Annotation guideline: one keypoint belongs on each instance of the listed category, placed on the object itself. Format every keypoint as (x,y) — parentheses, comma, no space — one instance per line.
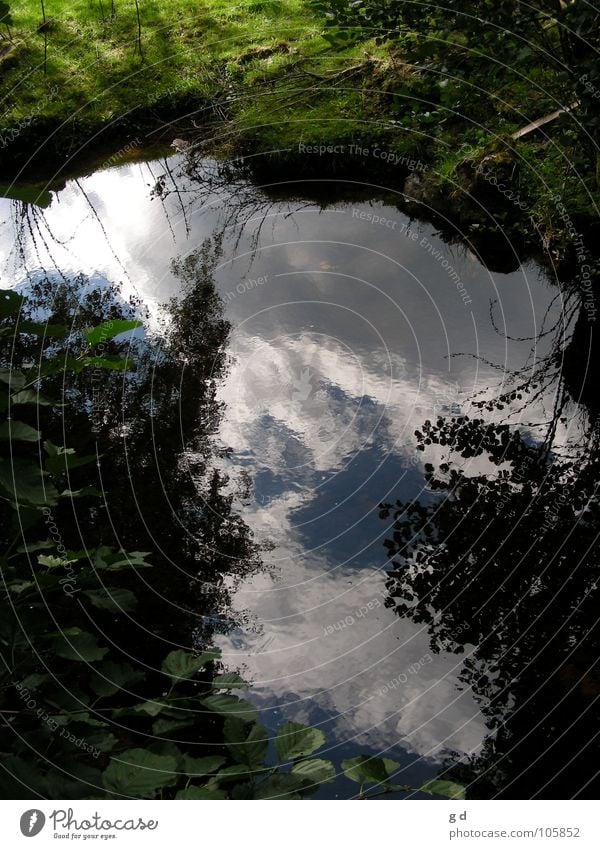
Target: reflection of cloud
(328,655)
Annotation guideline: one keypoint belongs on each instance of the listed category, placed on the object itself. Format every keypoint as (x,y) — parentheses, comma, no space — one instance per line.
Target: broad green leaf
(139,773)
(108,678)
(26,484)
(164,725)
(109,329)
(180,664)
(109,363)
(196,767)
(441,787)
(282,785)
(75,644)
(56,331)
(103,742)
(30,396)
(13,377)
(112,598)
(317,771)
(230,706)
(10,302)
(51,561)
(228,681)
(152,708)
(62,460)
(365,770)
(248,745)
(35,546)
(199,793)
(297,741)
(15,430)
(230,773)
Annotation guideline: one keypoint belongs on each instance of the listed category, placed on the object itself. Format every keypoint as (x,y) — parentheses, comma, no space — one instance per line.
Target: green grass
(259,76)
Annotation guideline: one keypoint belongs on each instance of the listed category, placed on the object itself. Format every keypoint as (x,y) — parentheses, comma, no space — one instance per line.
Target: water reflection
(344,337)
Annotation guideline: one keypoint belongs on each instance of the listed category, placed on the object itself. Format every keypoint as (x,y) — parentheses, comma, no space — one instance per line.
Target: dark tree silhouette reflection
(502,566)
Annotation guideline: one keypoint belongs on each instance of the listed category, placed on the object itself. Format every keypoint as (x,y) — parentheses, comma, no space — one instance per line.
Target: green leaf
(226,705)
(180,665)
(108,678)
(15,430)
(199,793)
(61,460)
(152,708)
(282,785)
(112,598)
(365,770)
(10,302)
(25,483)
(109,329)
(440,787)
(228,681)
(317,771)
(297,741)
(139,773)
(75,644)
(196,767)
(30,396)
(51,561)
(13,377)
(56,331)
(164,725)
(248,745)
(109,363)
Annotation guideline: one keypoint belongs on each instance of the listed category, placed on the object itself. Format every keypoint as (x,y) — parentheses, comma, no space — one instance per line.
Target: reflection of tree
(153,430)
(503,568)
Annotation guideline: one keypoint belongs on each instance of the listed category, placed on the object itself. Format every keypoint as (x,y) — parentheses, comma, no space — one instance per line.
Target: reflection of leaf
(138,772)
(109,329)
(440,787)
(181,664)
(297,741)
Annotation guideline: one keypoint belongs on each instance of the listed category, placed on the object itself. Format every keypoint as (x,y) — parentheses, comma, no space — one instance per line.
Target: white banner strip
(300,825)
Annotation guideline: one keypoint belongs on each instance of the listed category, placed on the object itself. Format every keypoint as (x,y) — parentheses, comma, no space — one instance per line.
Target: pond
(351,325)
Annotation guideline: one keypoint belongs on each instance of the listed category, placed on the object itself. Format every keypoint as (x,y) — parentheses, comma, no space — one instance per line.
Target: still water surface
(347,333)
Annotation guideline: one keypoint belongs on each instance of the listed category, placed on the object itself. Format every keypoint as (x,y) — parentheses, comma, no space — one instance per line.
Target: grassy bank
(255,77)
